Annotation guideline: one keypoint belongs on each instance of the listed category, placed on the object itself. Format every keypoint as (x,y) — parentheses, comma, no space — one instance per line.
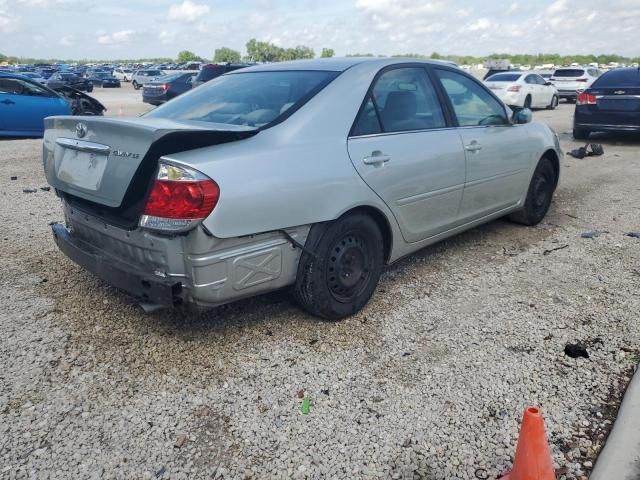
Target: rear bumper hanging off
(148,288)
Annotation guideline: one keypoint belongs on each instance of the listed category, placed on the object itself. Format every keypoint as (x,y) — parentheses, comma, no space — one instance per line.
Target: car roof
(337,64)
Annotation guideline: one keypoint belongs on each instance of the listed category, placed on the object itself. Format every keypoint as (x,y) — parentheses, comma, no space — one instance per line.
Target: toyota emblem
(81,130)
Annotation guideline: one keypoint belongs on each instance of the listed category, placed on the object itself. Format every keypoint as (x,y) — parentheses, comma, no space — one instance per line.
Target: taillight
(164,87)
(179,200)
(514,88)
(586,99)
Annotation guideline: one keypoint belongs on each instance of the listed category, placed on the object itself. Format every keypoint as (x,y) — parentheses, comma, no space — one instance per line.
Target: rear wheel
(527,102)
(553,104)
(539,195)
(136,86)
(343,273)
(581,133)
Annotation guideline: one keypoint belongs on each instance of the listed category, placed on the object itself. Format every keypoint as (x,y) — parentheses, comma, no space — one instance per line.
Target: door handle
(377,158)
(474,146)
(8,102)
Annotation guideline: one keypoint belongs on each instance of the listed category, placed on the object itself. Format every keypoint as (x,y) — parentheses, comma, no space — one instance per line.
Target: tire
(539,195)
(554,103)
(135,85)
(571,100)
(125,79)
(581,134)
(527,102)
(326,284)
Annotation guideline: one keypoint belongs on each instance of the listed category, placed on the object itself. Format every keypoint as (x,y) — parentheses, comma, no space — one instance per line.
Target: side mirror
(548,84)
(522,116)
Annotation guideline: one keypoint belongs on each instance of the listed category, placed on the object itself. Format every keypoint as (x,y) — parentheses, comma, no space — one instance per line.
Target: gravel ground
(428,382)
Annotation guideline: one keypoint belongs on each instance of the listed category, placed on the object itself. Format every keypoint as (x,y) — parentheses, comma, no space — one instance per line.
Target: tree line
(259,51)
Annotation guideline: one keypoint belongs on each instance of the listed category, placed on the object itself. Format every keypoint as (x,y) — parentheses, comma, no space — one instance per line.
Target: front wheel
(553,104)
(343,272)
(539,195)
(136,86)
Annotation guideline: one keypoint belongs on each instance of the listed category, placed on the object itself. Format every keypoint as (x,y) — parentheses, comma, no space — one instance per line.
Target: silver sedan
(310,174)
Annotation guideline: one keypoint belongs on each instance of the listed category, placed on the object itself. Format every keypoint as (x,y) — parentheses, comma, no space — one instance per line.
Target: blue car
(24,104)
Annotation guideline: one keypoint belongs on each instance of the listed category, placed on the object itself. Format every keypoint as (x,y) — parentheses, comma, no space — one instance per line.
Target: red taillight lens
(183,200)
(514,88)
(586,99)
(180,198)
(165,87)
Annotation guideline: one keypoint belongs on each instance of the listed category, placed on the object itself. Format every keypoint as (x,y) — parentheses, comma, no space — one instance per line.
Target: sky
(110,29)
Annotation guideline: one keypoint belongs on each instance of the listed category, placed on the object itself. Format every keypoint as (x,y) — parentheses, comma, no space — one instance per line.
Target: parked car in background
(168,87)
(570,81)
(211,71)
(35,77)
(103,79)
(545,74)
(123,74)
(142,77)
(24,104)
(60,79)
(311,174)
(518,89)
(610,104)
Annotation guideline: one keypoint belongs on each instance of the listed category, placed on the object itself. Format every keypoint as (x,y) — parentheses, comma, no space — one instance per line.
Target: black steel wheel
(539,195)
(343,272)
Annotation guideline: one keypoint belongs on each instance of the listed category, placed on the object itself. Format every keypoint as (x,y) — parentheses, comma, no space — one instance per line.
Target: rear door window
(472,103)
(406,100)
(11,86)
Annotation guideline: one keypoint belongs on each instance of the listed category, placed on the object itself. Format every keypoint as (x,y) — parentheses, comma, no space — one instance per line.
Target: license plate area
(619,104)
(82,169)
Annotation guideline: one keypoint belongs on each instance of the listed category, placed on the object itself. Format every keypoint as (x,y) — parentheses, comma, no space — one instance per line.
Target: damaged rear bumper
(191,268)
(148,288)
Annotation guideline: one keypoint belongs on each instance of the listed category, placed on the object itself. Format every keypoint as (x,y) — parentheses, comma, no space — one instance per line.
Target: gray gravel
(429,381)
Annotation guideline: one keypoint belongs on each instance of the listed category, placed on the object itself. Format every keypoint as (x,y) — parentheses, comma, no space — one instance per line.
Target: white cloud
(187,11)
(66,41)
(115,38)
(480,24)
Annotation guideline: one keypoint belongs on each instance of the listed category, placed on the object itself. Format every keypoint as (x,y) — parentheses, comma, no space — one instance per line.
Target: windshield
(151,73)
(619,78)
(504,77)
(253,98)
(569,72)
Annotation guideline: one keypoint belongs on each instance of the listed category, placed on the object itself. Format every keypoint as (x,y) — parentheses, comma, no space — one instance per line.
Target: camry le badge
(81,130)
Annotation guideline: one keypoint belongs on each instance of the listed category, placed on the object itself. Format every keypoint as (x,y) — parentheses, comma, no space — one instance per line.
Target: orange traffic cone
(533,458)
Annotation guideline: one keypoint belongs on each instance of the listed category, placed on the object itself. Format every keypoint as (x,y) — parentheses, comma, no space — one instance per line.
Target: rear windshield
(619,78)
(209,73)
(569,72)
(254,98)
(504,77)
(150,73)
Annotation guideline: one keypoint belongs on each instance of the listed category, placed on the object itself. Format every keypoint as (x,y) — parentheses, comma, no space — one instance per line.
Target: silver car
(311,174)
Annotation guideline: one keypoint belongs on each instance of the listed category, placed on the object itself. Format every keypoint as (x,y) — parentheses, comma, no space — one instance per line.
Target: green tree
(186,56)
(327,53)
(225,54)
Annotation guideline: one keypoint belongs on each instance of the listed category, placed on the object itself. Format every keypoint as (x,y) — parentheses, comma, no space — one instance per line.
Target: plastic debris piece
(305,406)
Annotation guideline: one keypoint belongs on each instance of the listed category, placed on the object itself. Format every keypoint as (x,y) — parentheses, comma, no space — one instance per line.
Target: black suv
(211,71)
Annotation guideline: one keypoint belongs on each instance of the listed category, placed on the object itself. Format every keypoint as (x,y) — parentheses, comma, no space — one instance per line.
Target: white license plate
(82,169)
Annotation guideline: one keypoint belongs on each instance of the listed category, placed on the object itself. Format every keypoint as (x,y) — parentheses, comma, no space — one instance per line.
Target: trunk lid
(110,162)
